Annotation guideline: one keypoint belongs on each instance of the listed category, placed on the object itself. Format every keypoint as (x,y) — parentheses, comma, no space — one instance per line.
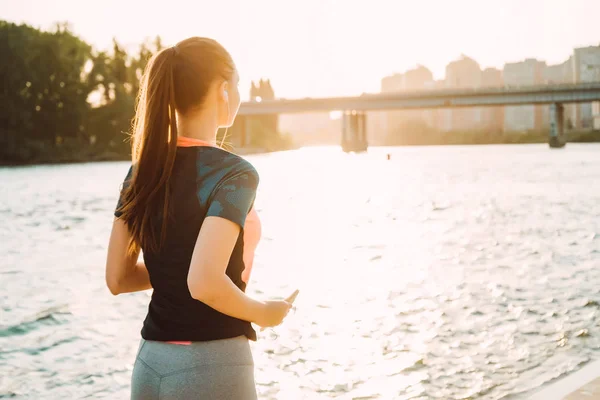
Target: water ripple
(448,272)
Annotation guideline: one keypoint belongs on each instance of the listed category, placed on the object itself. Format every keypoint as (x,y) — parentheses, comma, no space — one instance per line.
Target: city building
(463,73)
(396,122)
(492,118)
(264,91)
(586,68)
(525,73)
(559,74)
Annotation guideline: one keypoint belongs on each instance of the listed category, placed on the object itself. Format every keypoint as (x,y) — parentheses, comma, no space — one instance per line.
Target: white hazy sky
(335,47)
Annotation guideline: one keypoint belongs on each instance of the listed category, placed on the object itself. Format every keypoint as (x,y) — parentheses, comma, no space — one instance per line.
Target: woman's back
(205,181)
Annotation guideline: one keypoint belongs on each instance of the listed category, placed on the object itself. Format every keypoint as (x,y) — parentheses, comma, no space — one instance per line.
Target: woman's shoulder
(216,167)
(239,167)
(221,162)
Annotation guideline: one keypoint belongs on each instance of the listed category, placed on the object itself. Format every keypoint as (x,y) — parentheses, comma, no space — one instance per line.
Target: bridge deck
(504,96)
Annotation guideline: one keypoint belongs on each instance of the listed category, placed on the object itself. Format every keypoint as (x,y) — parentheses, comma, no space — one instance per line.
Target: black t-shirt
(206,181)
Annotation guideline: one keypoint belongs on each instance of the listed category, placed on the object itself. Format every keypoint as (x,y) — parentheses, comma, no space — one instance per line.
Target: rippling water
(446,272)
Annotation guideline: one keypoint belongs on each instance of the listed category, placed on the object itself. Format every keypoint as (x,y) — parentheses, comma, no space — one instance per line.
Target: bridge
(354,135)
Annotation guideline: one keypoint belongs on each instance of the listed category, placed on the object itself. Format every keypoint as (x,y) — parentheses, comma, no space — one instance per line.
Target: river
(441,273)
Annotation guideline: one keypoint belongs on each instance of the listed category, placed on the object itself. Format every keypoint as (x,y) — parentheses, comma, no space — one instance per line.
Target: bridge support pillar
(354,131)
(557,126)
(240,131)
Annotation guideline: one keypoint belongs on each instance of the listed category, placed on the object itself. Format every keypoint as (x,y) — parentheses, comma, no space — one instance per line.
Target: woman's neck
(201,126)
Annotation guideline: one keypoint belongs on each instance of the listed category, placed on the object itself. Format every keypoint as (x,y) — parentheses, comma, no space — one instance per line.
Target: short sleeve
(125,185)
(234,197)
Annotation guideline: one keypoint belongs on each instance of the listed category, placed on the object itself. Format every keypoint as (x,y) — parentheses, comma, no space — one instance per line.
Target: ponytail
(153,154)
(176,79)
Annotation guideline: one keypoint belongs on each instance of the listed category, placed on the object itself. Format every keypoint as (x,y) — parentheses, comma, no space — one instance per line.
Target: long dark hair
(176,79)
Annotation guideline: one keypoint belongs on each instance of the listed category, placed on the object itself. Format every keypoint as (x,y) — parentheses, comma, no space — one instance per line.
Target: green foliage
(63,101)
(583,137)
(43,96)
(49,78)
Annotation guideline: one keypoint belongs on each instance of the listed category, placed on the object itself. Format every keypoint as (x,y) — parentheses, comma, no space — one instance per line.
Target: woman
(188,205)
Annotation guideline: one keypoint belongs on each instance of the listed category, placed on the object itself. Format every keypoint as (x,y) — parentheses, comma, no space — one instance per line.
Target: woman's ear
(224,92)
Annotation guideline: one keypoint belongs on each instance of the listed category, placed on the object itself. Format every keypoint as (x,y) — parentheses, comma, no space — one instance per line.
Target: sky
(318,48)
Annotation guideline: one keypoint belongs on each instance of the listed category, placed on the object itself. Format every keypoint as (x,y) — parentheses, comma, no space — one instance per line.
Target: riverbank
(581,385)
(72,155)
(78,158)
(424,137)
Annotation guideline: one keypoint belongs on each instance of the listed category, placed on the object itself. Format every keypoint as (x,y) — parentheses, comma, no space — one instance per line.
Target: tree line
(63,100)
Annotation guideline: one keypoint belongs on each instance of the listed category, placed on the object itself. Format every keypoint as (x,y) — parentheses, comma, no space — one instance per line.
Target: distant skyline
(315,48)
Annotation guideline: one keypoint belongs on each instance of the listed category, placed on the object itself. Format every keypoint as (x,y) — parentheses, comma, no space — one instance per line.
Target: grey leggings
(218,369)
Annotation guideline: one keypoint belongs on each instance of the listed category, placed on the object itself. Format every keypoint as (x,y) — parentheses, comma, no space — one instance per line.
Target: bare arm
(207,280)
(124,274)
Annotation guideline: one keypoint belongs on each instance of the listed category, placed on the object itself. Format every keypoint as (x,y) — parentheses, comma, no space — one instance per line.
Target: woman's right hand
(273,313)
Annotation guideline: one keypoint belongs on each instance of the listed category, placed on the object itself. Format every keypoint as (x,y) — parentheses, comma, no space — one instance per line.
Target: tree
(117,76)
(44,96)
